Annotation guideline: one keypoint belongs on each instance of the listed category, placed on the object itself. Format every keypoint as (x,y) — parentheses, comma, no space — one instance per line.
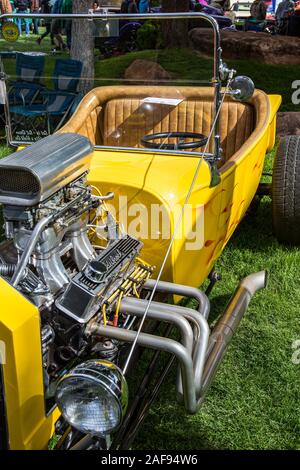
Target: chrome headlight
(93,397)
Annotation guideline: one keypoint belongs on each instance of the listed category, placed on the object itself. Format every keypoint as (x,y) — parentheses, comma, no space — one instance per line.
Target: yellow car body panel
(28,426)
(144,178)
(149,178)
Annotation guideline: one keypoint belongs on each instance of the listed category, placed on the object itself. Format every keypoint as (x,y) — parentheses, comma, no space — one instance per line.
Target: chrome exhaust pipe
(228,325)
(138,306)
(194,390)
(158,344)
(185,291)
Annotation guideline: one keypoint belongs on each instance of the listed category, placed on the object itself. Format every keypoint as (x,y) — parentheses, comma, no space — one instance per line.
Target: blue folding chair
(29,72)
(44,119)
(57,104)
(66,76)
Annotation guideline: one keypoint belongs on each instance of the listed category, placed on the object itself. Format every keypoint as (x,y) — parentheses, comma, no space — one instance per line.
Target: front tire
(286,191)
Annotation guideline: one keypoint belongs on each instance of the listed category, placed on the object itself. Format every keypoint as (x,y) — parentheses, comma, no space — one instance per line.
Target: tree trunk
(175,32)
(83,42)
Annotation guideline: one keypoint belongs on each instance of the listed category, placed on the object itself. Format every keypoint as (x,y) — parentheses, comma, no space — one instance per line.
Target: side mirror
(225,72)
(241,88)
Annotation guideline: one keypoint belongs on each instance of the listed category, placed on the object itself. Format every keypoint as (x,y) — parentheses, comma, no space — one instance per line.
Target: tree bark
(82,46)
(175,32)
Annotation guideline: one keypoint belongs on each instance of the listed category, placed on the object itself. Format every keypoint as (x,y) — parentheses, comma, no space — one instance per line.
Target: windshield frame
(216,81)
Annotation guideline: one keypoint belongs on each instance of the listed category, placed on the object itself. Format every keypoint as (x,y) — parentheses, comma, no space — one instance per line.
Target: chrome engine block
(64,237)
(50,255)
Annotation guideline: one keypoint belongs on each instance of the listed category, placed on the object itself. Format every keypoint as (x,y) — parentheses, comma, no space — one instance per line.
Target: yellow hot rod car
(83,287)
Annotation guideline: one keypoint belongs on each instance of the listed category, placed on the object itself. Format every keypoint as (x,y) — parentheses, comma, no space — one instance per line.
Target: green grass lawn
(254,402)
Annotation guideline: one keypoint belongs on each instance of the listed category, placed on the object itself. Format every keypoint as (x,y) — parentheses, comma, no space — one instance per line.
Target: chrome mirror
(241,88)
(225,72)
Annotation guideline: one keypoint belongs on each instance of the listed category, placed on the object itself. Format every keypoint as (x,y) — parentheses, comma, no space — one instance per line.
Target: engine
(64,251)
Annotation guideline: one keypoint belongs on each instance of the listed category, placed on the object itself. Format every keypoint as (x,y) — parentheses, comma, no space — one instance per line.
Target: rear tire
(286,191)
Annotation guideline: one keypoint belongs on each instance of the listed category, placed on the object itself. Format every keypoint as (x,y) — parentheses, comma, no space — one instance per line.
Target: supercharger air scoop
(35,173)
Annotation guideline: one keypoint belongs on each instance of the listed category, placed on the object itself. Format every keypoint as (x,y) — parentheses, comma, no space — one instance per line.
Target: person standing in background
(67,8)
(124,6)
(46,8)
(23,6)
(5,7)
(258,10)
(132,7)
(35,8)
(56,27)
(284,10)
(143,6)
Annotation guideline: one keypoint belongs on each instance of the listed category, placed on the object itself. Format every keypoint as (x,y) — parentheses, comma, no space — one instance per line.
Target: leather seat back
(124,121)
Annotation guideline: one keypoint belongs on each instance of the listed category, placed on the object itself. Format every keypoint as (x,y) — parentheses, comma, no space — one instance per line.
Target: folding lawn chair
(45,118)
(29,71)
(66,76)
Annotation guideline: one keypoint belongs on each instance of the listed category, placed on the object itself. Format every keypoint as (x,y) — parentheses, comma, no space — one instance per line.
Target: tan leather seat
(117,116)
(126,121)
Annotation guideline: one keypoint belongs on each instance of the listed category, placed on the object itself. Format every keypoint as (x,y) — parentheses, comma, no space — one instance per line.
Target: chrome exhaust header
(198,367)
(228,325)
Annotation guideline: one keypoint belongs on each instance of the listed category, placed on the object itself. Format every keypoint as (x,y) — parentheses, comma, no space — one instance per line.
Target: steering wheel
(148,140)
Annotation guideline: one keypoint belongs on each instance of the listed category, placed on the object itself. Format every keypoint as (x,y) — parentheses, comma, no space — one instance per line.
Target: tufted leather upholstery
(126,121)
(117,116)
